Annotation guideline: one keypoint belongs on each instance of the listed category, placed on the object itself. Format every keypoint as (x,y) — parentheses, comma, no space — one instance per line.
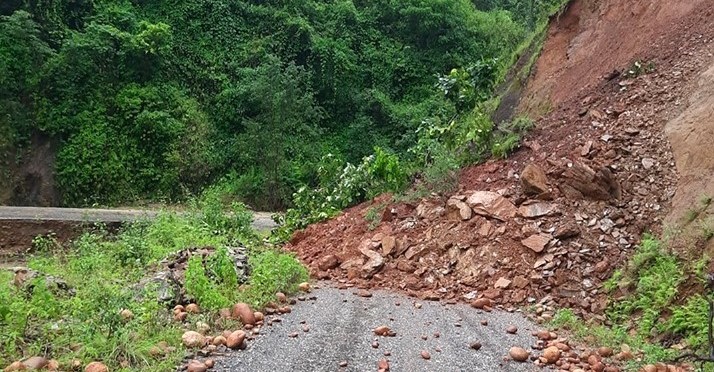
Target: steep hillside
(550,224)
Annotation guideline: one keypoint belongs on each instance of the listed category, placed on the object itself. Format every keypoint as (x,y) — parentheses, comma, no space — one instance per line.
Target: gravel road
(262,220)
(340,330)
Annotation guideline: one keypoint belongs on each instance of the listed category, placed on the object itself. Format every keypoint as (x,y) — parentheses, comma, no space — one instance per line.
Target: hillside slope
(601,172)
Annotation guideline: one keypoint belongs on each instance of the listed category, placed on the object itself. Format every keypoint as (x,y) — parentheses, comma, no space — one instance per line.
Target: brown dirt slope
(603,171)
(593,38)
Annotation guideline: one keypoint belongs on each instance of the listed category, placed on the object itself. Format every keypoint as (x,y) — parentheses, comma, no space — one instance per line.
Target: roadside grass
(647,311)
(103,270)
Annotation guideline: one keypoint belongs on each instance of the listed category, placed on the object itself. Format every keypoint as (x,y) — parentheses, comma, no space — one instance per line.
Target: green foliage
(376,174)
(200,288)
(273,271)
(656,275)
(374,215)
(155,100)
(47,321)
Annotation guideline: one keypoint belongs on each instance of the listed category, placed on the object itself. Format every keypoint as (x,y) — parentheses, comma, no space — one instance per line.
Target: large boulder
(491,204)
(582,182)
(534,180)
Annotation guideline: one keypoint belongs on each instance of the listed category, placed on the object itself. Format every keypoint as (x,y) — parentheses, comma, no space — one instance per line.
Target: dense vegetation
(85,323)
(154,100)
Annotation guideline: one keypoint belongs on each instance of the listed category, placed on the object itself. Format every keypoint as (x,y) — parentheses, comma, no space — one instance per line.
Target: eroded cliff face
(594,38)
(27,176)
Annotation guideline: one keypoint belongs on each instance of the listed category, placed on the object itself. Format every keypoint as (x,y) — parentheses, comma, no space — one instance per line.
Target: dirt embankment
(600,159)
(594,38)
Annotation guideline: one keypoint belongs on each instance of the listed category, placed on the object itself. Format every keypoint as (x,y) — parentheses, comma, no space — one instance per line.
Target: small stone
(192,339)
(304,286)
(293,335)
(387,353)
(484,322)
(648,163)
(343,364)
(126,315)
(35,362)
(481,303)
(425,354)
(193,309)
(518,354)
(96,367)
(219,340)
(502,283)
(605,352)
(375,344)
(551,354)
(196,366)
(53,365)
(537,242)
(15,366)
(383,365)
(383,331)
(243,312)
(364,293)
(281,297)
(475,345)
(209,363)
(512,330)
(235,339)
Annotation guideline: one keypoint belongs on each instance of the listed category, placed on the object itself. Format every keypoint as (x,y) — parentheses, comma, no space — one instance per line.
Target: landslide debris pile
(550,224)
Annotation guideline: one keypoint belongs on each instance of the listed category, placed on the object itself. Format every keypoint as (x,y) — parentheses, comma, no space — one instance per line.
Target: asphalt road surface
(341,330)
(262,220)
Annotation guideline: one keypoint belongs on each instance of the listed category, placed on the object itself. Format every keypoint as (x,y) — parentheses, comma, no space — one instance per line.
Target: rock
(76,364)
(567,230)
(551,354)
(480,303)
(209,363)
(425,354)
(96,367)
(353,263)
(491,204)
(384,331)
(518,354)
(281,297)
(219,340)
(537,242)
(35,362)
(475,345)
(328,262)
(243,312)
(502,283)
(374,263)
(196,366)
(126,315)
(605,352)
(512,330)
(538,209)
(181,316)
(15,366)
(53,365)
(203,328)
(458,210)
(192,339)
(383,365)
(192,309)
(235,340)
(534,180)
(364,293)
(582,182)
(648,163)
(389,243)
(343,364)
(304,286)
(543,335)
(259,317)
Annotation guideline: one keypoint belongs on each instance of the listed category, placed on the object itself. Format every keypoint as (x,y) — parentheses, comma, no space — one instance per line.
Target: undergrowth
(103,271)
(647,310)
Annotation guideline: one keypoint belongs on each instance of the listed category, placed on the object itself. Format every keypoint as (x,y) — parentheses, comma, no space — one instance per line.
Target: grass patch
(103,272)
(374,215)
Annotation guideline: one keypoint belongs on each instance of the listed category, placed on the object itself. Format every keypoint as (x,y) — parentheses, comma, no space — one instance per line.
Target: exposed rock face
(491,204)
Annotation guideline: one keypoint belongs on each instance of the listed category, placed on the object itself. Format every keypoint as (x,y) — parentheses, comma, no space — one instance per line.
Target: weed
(706,201)
(374,215)
(691,214)
(273,271)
